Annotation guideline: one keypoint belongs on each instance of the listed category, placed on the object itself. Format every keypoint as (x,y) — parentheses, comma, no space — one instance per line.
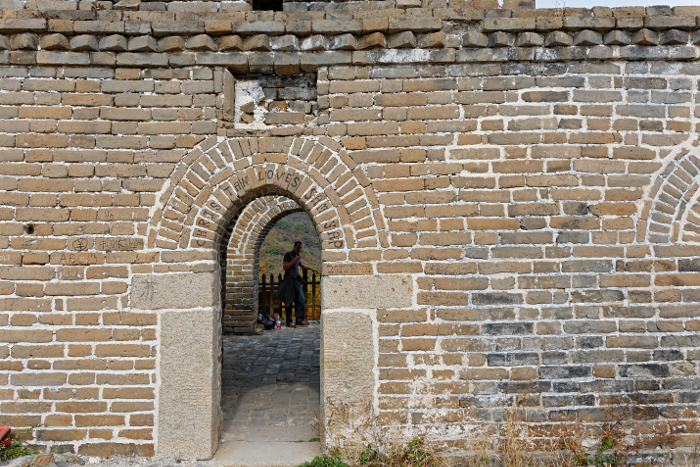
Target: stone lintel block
(529,39)
(367,292)
(509,24)
(25,41)
(137,28)
(236,61)
(588,37)
(299,28)
(501,39)
(189,391)
(218,27)
(576,23)
(98,27)
(143,44)
(617,37)
(633,22)
(287,63)
(373,40)
(674,37)
(558,39)
(375,25)
(475,39)
(645,37)
(286,43)
(259,42)
(84,42)
(668,22)
(311,61)
(549,23)
(142,59)
(343,42)
(315,43)
(62,26)
(402,40)
(201,42)
(330,27)
(416,25)
(184,28)
(54,42)
(271,28)
(114,43)
(47,57)
(171,44)
(9,26)
(432,40)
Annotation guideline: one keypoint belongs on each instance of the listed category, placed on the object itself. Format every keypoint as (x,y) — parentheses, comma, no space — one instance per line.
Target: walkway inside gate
(270,397)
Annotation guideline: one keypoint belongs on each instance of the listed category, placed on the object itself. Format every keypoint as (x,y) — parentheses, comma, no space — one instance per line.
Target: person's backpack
(265,319)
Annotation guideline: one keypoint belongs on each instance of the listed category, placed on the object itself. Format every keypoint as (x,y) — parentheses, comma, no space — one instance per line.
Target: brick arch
(241,263)
(673,214)
(219,178)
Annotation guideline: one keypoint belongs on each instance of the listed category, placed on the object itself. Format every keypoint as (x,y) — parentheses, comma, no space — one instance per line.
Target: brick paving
(272,379)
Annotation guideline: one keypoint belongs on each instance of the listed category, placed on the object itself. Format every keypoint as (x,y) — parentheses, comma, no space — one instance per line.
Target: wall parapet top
(289,42)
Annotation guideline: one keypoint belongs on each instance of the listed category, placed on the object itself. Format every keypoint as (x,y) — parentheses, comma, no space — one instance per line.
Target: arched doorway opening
(270,379)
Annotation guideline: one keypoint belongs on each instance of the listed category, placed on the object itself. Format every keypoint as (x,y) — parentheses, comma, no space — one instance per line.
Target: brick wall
(529,175)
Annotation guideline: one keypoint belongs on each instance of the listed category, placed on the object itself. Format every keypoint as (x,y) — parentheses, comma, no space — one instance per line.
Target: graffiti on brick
(77,259)
(330,269)
(118,244)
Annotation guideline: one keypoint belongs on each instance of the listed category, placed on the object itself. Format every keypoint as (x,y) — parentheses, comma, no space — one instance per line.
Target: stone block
(218,27)
(475,39)
(674,37)
(431,40)
(287,63)
(416,25)
(174,291)
(588,37)
(367,292)
(330,27)
(315,43)
(271,28)
(185,28)
(373,40)
(286,43)
(402,40)
(201,42)
(230,43)
(558,39)
(84,42)
(645,37)
(343,42)
(260,42)
(509,24)
(142,44)
(501,39)
(24,42)
(189,392)
(617,37)
(529,39)
(347,359)
(171,44)
(54,42)
(127,5)
(114,43)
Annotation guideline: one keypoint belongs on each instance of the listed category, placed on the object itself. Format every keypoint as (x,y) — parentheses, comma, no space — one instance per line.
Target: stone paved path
(270,397)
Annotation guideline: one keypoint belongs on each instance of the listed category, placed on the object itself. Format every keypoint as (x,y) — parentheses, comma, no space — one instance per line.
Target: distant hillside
(297,226)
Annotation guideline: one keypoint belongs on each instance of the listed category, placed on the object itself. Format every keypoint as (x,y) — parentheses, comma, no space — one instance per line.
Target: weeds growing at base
(17,447)
(354,437)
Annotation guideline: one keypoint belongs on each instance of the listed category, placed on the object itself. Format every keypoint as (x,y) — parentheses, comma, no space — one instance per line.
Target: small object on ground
(291,325)
(5,439)
(302,323)
(44,460)
(265,319)
(278,321)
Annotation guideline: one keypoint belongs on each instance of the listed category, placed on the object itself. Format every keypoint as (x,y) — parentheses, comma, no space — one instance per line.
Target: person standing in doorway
(290,290)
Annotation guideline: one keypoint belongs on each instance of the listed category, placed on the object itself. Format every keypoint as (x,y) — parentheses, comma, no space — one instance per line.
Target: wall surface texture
(507,200)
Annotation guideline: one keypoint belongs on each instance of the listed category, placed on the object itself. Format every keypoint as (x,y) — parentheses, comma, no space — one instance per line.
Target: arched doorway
(209,188)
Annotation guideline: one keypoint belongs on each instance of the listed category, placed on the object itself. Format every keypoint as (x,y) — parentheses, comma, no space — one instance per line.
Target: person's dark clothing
(290,291)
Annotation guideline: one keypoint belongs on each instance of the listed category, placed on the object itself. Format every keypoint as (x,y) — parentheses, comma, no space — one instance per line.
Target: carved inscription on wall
(118,243)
